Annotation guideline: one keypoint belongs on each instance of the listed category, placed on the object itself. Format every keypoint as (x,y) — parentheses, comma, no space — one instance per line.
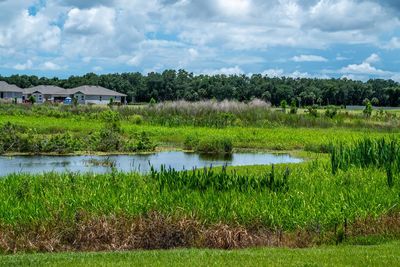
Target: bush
(293,107)
(331,112)
(312,111)
(215,145)
(191,142)
(136,119)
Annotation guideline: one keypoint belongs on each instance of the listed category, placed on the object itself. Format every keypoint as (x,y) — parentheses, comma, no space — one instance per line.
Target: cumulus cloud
(365,67)
(295,74)
(309,58)
(99,20)
(24,66)
(236,70)
(194,34)
(394,43)
(48,65)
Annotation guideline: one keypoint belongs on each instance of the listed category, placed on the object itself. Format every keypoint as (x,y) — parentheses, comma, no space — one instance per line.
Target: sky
(312,38)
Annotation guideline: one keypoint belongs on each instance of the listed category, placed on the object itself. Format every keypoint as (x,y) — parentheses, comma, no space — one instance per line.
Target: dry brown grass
(154,231)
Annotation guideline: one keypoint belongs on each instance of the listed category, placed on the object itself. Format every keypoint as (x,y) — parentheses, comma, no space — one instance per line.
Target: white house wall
(12,96)
(101,100)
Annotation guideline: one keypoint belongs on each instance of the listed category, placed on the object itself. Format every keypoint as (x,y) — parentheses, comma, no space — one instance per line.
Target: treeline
(176,85)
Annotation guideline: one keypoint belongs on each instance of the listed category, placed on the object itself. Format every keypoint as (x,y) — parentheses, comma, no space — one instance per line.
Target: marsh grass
(223,208)
(383,153)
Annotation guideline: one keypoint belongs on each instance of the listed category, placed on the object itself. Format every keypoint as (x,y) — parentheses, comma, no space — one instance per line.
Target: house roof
(94,90)
(6,87)
(47,90)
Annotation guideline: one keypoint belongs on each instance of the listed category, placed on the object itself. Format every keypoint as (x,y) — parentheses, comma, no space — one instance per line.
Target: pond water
(138,162)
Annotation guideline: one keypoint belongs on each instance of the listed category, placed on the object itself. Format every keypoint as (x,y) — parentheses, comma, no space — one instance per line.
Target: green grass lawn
(347,255)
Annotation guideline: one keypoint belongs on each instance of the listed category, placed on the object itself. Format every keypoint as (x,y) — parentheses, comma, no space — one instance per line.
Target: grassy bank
(275,138)
(294,205)
(375,255)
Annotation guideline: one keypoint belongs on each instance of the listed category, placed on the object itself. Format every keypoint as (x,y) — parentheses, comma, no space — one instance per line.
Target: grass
(291,205)
(275,138)
(239,208)
(387,254)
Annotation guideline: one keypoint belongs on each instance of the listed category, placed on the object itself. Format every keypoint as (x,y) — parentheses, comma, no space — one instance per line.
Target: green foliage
(380,153)
(152,102)
(283,105)
(172,85)
(368,109)
(313,111)
(293,107)
(207,178)
(214,144)
(32,99)
(136,119)
(310,197)
(331,111)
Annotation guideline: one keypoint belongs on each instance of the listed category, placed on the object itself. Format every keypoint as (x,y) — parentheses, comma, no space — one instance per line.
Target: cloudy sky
(311,38)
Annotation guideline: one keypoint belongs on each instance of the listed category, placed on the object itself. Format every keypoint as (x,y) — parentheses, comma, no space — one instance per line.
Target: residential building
(46,93)
(96,95)
(10,92)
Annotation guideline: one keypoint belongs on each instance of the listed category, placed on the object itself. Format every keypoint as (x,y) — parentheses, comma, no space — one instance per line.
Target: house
(10,92)
(96,95)
(46,93)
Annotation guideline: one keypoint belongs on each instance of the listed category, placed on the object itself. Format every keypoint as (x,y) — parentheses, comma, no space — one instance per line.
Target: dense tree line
(174,85)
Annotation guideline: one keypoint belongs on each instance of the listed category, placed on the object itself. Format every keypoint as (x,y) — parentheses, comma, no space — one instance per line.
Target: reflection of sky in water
(139,162)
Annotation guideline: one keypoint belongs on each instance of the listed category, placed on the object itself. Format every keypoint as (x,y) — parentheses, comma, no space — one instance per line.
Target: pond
(137,162)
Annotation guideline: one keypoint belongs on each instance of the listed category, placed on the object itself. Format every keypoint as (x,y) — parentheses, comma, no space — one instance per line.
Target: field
(346,255)
(346,192)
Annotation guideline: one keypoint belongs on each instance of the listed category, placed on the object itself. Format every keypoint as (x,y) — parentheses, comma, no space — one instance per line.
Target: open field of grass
(387,254)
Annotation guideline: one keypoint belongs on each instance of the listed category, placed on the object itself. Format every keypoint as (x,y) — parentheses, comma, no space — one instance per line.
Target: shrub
(331,112)
(312,111)
(215,145)
(293,107)
(136,119)
(191,142)
(283,105)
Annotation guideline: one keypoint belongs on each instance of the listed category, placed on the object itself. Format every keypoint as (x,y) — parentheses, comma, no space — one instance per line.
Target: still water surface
(138,162)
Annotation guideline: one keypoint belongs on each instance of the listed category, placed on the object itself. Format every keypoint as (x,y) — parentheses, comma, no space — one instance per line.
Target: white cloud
(226,71)
(394,43)
(98,20)
(309,58)
(136,60)
(48,65)
(24,66)
(373,58)
(365,67)
(273,72)
(192,34)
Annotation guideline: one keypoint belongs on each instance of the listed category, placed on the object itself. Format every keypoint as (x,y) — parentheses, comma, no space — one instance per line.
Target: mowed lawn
(387,254)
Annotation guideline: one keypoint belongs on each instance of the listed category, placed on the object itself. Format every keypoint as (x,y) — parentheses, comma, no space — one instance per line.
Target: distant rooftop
(86,90)
(6,87)
(46,90)
(94,90)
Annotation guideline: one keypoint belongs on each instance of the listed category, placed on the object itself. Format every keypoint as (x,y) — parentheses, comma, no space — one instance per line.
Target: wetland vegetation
(348,189)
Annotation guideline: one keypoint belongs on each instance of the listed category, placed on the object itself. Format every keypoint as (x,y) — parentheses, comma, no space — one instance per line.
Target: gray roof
(5,87)
(94,90)
(47,90)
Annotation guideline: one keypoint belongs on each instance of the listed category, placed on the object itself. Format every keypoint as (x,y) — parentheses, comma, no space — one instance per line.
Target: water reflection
(139,162)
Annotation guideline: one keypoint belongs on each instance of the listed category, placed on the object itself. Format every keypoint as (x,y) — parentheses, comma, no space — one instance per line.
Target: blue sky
(310,38)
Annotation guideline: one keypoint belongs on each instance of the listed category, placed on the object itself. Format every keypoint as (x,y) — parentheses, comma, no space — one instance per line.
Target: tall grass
(214,114)
(380,153)
(207,178)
